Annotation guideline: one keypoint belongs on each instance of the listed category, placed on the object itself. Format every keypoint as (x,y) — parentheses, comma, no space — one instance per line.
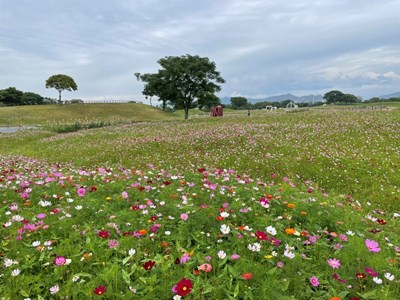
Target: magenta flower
(314,281)
(372,245)
(371,272)
(81,192)
(184,217)
(334,263)
(60,261)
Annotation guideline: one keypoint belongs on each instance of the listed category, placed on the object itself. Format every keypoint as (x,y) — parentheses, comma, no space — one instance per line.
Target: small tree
(238,102)
(61,82)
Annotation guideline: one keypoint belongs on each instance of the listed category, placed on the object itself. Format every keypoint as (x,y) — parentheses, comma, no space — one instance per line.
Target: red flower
(183,287)
(103,234)
(381,221)
(201,170)
(92,189)
(167,182)
(247,276)
(100,290)
(261,235)
(148,265)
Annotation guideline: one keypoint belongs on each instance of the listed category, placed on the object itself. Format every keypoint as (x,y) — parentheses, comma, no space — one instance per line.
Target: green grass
(45,115)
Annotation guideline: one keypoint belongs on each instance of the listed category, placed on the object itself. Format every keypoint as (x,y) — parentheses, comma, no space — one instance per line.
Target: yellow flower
(291,205)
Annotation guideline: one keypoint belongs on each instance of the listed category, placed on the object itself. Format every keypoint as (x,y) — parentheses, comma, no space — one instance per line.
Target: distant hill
(279,98)
(394,95)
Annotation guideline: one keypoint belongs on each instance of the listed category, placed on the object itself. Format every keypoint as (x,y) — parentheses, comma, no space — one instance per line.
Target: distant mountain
(394,95)
(279,98)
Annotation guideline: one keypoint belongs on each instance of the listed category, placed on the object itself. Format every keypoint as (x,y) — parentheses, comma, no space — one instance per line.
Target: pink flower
(334,263)
(314,281)
(113,243)
(372,245)
(184,217)
(60,261)
(206,268)
(81,192)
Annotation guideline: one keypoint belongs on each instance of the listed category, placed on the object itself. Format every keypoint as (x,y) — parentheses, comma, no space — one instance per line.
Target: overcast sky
(262,48)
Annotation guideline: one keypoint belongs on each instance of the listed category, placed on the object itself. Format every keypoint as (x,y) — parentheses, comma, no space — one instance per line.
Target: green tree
(29,98)
(11,96)
(184,80)
(333,97)
(61,82)
(155,86)
(238,102)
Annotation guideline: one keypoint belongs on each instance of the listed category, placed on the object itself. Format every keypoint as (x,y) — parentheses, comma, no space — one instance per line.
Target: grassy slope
(48,114)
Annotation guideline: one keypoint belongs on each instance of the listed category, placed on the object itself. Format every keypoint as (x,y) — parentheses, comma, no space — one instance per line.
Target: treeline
(241,103)
(12,97)
(377,99)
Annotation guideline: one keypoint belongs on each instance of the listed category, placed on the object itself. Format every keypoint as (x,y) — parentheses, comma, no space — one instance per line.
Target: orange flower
(290,231)
(303,213)
(142,231)
(291,205)
(164,244)
(335,298)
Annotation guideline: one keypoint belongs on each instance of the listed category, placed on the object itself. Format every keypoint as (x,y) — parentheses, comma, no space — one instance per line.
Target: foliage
(11,96)
(183,80)
(337,97)
(238,102)
(61,82)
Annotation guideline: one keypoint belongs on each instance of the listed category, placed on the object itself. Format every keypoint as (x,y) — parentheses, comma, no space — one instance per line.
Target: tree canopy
(185,81)
(337,97)
(61,82)
(238,102)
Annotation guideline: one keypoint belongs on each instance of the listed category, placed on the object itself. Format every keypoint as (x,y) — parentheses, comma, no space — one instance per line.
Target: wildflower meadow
(274,206)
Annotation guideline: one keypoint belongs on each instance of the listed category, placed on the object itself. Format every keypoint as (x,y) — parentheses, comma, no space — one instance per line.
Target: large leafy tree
(61,82)
(11,96)
(184,80)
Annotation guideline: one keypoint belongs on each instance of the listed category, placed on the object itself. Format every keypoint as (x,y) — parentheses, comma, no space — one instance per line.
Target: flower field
(276,206)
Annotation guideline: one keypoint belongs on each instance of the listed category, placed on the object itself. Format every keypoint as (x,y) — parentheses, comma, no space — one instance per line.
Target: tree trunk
(59,97)
(186,113)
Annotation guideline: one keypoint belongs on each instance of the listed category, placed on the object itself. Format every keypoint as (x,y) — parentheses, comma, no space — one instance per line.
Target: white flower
(78,207)
(349,232)
(131,252)
(8,224)
(17,218)
(15,272)
(247,228)
(70,200)
(132,289)
(54,289)
(224,214)
(396,215)
(225,229)
(289,254)
(377,280)
(36,243)
(176,297)
(221,254)
(389,276)
(255,247)
(167,232)
(75,278)
(8,262)
(288,247)
(271,230)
